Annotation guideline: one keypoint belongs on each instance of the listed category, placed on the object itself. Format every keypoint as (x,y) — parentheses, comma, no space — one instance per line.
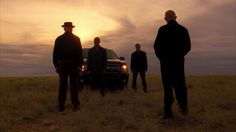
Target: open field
(29,104)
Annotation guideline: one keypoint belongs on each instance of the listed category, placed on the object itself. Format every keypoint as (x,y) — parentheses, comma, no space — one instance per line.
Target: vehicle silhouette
(116,69)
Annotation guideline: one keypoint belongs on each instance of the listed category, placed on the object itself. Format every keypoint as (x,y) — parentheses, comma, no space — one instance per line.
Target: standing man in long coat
(96,63)
(68,60)
(171,45)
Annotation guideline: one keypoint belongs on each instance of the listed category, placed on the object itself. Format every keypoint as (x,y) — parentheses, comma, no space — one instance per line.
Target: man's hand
(79,69)
(58,70)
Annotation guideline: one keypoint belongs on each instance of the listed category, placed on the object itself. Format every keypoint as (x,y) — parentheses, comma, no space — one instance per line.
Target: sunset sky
(28,29)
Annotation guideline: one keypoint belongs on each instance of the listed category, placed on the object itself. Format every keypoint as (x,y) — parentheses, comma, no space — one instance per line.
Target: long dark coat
(67,48)
(172,42)
(97,59)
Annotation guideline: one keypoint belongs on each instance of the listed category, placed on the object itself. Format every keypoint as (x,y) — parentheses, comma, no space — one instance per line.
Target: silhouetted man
(171,45)
(96,64)
(139,65)
(68,59)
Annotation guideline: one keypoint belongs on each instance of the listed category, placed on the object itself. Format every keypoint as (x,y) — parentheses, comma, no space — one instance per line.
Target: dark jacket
(67,48)
(172,42)
(139,61)
(97,59)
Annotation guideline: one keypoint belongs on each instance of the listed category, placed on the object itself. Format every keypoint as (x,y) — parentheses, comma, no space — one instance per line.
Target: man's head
(138,47)
(68,26)
(96,41)
(170,15)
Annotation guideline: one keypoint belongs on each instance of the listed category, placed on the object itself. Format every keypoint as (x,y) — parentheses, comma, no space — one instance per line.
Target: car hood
(109,61)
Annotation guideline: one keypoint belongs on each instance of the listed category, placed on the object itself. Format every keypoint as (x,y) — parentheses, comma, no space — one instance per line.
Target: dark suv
(116,69)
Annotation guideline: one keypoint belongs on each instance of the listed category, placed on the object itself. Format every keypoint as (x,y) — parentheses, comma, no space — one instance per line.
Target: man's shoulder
(143,51)
(163,27)
(90,49)
(60,37)
(167,26)
(103,48)
(135,52)
(68,35)
(94,48)
(181,26)
(59,40)
(75,36)
(138,52)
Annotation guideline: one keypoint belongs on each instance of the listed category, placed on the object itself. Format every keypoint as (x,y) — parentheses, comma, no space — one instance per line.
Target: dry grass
(29,104)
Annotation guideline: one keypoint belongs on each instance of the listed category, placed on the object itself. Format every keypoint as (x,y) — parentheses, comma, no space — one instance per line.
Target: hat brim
(67,26)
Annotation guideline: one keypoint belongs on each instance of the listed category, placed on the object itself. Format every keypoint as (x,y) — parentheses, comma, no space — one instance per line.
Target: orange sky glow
(33,21)
(26,24)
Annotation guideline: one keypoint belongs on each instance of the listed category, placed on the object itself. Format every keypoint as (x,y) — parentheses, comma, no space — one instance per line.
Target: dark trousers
(97,82)
(173,77)
(68,71)
(143,78)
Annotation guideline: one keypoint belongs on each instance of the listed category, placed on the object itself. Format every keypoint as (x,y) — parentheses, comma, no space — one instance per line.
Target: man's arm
(157,43)
(79,54)
(55,53)
(187,42)
(89,60)
(104,59)
(132,62)
(145,62)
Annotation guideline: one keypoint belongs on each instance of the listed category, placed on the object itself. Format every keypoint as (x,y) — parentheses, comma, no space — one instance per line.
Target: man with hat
(68,59)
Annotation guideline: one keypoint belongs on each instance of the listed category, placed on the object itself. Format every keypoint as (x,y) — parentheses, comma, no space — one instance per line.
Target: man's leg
(74,90)
(101,82)
(93,81)
(180,86)
(168,90)
(63,78)
(134,82)
(143,78)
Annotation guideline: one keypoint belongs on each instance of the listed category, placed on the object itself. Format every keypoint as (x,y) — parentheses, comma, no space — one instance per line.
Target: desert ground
(29,104)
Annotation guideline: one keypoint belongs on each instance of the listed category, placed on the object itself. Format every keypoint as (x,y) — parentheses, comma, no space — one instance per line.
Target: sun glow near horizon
(43,24)
(90,25)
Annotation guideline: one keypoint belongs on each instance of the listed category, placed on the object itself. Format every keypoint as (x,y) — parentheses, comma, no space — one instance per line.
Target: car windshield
(110,54)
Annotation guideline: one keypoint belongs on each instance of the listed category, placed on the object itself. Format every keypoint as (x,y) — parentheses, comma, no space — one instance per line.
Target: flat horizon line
(148,74)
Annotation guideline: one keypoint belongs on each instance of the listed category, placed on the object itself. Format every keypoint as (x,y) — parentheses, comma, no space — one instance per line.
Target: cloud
(213,39)
(211,25)
(25,60)
(218,20)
